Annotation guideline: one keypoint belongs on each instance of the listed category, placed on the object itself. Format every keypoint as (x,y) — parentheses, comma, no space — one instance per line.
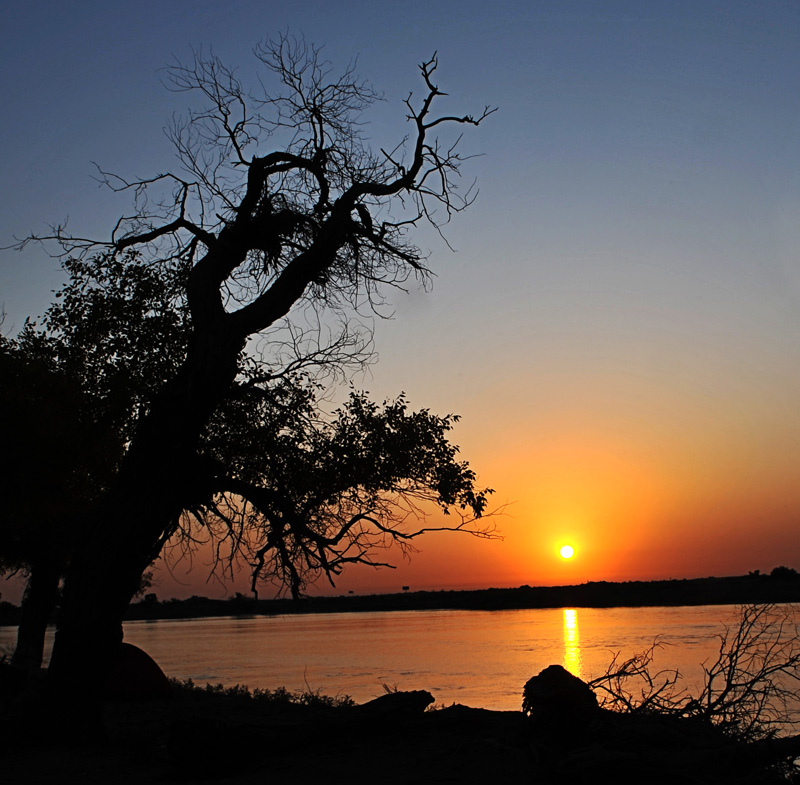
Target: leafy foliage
(303,495)
(56,460)
(74,388)
(119,329)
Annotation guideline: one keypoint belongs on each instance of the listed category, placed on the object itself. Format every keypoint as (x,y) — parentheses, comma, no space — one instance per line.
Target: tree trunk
(38,604)
(156,481)
(104,574)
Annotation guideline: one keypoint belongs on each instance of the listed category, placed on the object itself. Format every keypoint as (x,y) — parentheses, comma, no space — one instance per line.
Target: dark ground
(205,737)
(201,741)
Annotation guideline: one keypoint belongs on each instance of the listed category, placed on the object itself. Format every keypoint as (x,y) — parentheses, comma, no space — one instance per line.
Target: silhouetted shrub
(749,690)
(241,695)
(784,573)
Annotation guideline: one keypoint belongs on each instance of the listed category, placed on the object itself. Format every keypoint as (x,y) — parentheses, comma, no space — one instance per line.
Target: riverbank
(201,735)
(782,586)
(753,588)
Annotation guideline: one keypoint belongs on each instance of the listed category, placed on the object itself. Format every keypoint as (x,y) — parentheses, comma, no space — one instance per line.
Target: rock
(399,703)
(558,698)
(135,675)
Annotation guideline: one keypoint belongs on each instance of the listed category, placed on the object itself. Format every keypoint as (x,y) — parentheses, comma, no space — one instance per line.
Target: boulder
(558,698)
(135,675)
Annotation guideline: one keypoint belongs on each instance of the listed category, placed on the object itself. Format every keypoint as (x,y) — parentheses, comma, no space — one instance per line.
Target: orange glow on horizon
(634,503)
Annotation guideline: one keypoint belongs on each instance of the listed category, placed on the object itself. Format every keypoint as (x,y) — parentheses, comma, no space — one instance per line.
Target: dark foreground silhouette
(205,735)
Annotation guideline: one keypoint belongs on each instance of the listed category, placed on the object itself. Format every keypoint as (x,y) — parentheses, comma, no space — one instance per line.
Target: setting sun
(567,551)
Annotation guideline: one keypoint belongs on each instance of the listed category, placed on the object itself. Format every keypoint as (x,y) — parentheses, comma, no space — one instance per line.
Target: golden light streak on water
(572,643)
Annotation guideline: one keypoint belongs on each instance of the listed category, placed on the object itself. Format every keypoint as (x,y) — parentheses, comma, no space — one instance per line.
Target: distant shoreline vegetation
(780,586)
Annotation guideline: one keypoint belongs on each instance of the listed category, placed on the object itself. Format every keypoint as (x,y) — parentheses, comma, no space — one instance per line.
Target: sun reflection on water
(572,643)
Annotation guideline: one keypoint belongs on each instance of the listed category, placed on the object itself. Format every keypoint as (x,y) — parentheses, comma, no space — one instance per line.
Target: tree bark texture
(38,604)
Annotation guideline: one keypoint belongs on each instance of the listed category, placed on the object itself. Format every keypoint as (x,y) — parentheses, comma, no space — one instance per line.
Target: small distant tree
(784,574)
(280,209)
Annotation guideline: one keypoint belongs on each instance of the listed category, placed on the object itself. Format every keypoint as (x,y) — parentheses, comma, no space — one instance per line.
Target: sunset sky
(619,327)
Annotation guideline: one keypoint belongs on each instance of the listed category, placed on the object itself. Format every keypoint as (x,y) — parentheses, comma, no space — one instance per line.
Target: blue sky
(624,305)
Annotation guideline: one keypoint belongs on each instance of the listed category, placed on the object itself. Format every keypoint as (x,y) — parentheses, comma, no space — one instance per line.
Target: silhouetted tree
(54,465)
(108,320)
(280,207)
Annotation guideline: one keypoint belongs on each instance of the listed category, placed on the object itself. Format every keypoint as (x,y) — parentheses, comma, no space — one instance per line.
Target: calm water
(478,658)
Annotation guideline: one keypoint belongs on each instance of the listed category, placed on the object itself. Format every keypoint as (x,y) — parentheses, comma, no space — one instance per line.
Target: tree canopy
(280,224)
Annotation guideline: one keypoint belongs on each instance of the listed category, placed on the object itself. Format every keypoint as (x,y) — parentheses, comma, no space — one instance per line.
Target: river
(477,658)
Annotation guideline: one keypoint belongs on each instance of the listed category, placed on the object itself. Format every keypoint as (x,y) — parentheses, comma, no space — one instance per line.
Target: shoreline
(735,590)
(753,588)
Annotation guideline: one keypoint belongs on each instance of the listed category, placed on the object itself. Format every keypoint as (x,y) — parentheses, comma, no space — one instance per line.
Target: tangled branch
(749,690)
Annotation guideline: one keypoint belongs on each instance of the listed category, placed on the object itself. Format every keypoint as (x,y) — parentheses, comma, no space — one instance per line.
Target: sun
(567,552)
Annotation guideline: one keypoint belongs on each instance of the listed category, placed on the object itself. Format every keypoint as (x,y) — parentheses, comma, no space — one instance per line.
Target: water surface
(478,658)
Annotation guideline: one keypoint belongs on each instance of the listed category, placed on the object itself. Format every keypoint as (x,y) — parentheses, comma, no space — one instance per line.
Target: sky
(619,325)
